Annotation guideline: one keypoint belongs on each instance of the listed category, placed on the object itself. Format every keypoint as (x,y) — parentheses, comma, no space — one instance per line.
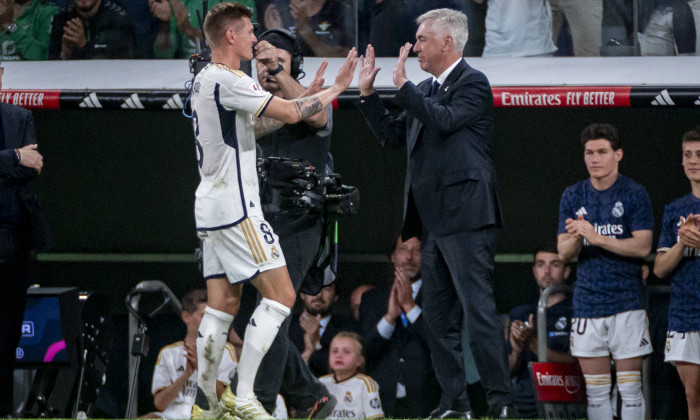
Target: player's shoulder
(173,346)
(630,185)
(326,379)
(576,189)
(369,383)
(681,202)
(225,71)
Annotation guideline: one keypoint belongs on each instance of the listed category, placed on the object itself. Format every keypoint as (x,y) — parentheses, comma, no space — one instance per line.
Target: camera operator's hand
(368,72)
(160,10)
(267,54)
(347,71)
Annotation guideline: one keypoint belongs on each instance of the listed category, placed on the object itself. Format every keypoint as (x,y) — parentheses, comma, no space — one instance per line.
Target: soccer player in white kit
(357,394)
(229,112)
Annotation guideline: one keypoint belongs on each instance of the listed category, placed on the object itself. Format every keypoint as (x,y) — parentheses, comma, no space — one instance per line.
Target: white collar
(447,72)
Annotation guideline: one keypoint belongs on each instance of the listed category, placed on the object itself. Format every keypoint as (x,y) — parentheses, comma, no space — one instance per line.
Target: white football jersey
(225,103)
(171,365)
(358,397)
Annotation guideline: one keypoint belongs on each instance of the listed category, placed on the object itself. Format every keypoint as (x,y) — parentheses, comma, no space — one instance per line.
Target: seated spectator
(391,323)
(356,299)
(671,28)
(324,28)
(548,270)
(585,18)
(92,29)
(357,394)
(179,32)
(518,28)
(313,330)
(174,386)
(25,29)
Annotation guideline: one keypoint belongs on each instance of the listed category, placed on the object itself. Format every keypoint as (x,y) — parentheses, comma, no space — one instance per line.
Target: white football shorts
(241,252)
(624,335)
(683,347)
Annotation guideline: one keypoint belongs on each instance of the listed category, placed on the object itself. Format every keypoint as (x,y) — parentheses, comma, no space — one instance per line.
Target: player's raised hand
(399,77)
(368,72)
(347,70)
(317,84)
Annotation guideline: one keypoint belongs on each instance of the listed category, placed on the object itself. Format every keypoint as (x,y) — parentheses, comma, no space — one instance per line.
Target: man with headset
(299,231)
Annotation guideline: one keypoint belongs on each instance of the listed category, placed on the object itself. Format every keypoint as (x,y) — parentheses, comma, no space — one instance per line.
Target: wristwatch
(10,29)
(270,72)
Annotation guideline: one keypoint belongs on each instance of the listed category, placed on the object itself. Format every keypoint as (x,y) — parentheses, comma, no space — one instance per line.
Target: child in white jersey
(357,394)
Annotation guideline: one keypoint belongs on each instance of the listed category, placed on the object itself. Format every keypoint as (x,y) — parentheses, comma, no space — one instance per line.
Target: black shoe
(440,413)
(321,409)
(503,412)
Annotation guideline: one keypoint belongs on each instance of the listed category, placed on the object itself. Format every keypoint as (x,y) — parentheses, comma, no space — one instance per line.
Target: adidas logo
(133,102)
(181,369)
(644,342)
(663,99)
(581,212)
(251,204)
(698,101)
(90,101)
(174,102)
(252,322)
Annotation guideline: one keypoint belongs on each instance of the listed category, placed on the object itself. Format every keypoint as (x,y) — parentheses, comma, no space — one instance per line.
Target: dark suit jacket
(16,191)
(318,362)
(404,357)
(450,172)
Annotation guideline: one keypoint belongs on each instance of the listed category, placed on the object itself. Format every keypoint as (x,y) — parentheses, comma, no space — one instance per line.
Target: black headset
(297,57)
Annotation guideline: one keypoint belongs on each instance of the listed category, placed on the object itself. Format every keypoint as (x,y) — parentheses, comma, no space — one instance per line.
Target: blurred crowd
(99,29)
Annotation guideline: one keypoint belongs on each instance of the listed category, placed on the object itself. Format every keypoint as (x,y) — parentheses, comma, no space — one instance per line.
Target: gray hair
(448,22)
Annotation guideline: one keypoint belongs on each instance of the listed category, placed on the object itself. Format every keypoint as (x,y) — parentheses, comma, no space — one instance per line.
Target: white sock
(598,391)
(259,335)
(211,340)
(630,386)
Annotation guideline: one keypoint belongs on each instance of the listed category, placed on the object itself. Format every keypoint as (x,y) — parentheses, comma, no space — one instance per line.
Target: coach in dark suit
(396,350)
(21,229)
(451,200)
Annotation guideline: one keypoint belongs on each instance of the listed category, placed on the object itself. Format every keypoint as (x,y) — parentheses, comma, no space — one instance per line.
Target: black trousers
(457,281)
(14,283)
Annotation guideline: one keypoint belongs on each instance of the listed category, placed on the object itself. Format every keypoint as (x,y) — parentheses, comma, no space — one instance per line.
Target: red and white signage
(32,99)
(562,96)
(559,382)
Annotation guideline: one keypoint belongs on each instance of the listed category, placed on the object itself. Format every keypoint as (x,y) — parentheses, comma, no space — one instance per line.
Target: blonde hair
(220,18)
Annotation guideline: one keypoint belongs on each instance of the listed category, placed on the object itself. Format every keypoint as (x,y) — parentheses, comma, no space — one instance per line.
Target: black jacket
(450,174)
(404,357)
(18,199)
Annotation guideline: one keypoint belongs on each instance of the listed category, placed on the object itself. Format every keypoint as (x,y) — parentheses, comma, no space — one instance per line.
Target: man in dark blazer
(451,201)
(313,330)
(396,350)
(21,229)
